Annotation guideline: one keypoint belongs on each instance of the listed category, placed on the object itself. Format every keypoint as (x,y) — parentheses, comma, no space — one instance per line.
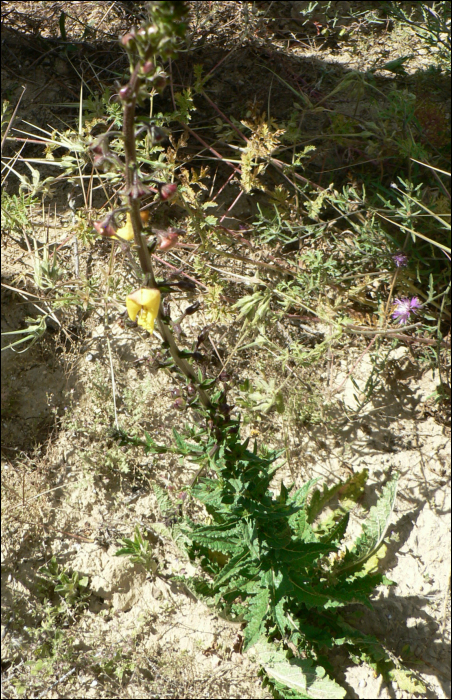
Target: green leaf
(164,502)
(337,532)
(348,492)
(303,553)
(256,613)
(280,617)
(62,23)
(184,447)
(233,567)
(306,594)
(374,529)
(406,680)
(298,674)
(320,498)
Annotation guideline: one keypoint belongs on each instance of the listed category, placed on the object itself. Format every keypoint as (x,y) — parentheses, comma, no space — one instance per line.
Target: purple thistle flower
(400,259)
(404,307)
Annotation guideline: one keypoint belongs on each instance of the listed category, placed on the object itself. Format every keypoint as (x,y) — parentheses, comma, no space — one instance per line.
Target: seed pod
(168,240)
(192,308)
(160,83)
(202,336)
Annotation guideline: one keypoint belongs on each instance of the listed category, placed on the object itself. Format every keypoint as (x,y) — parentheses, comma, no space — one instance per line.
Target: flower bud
(400,259)
(168,241)
(166,308)
(98,148)
(136,189)
(202,336)
(147,67)
(99,160)
(167,191)
(125,93)
(128,39)
(105,227)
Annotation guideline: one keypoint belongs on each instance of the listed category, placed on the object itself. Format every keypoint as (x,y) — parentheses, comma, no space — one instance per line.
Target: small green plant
(15,211)
(429,21)
(46,269)
(70,587)
(138,550)
(271,227)
(33,332)
(263,397)
(118,666)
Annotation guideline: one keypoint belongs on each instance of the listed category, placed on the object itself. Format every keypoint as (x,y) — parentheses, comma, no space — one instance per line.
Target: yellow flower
(126,231)
(143,306)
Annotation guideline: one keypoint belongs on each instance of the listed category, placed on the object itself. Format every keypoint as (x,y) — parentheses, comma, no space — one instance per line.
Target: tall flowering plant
(267,563)
(143,46)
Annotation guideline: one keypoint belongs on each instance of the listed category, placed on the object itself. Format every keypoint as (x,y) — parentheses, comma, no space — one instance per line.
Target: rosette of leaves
(269,565)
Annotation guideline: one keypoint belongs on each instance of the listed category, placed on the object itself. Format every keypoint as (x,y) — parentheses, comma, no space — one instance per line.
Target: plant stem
(143,252)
